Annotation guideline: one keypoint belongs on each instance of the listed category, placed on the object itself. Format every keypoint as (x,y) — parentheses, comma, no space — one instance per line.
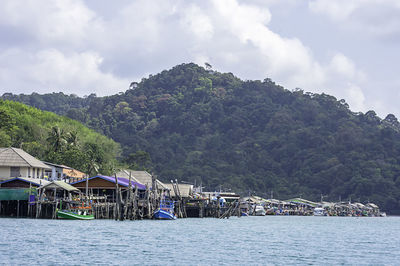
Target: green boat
(74,215)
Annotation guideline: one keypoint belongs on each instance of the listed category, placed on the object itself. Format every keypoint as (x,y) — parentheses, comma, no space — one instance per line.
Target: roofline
(21,156)
(102,177)
(29,165)
(17,178)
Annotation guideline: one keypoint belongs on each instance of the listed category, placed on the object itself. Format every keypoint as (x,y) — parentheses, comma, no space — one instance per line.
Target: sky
(346,48)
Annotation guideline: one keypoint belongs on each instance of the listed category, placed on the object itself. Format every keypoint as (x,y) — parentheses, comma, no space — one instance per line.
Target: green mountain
(212,128)
(56,139)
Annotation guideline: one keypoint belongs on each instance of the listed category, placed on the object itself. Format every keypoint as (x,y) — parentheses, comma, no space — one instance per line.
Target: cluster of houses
(303,207)
(25,181)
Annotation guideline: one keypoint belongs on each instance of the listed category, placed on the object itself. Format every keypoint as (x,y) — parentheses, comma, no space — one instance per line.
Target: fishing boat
(74,215)
(166,211)
(259,211)
(320,212)
(77,213)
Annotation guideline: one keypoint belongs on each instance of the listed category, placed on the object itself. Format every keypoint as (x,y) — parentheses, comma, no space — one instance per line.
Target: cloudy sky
(346,48)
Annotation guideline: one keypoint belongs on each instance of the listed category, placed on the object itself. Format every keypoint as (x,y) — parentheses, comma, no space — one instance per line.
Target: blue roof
(121,181)
(34,181)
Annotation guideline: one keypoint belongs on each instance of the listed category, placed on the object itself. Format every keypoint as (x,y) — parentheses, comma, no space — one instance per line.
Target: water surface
(274,240)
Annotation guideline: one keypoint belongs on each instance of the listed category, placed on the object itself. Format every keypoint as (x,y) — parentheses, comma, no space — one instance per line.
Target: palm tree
(93,167)
(72,138)
(56,138)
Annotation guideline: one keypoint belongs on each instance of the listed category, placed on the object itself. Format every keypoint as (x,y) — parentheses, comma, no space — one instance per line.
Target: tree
(72,138)
(57,138)
(139,160)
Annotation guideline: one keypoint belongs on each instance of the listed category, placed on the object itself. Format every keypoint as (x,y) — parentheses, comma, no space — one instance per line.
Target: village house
(63,172)
(104,186)
(16,162)
(142,177)
(184,190)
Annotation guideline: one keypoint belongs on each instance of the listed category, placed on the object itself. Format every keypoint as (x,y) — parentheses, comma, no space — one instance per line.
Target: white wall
(4,172)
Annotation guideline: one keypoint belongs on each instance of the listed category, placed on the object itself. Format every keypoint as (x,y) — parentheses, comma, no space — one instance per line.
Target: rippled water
(246,240)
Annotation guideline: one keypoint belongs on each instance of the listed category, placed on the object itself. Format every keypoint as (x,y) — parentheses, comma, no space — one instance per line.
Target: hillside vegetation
(55,139)
(199,125)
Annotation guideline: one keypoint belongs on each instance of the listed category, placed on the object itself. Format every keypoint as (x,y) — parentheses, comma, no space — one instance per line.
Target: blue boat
(166,211)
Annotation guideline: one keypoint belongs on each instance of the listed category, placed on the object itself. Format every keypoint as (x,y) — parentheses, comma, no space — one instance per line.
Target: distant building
(101,185)
(141,177)
(63,172)
(15,162)
(184,190)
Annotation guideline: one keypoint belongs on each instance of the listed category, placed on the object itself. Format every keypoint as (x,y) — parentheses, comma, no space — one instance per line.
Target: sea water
(269,240)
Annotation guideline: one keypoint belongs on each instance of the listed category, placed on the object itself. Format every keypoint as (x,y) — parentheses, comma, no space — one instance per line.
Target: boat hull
(164,215)
(73,216)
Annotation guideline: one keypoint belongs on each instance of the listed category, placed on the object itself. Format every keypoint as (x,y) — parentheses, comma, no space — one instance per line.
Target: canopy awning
(59,185)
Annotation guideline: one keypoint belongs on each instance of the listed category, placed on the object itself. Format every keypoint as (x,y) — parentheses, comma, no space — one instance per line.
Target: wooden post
(121,214)
(37,203)
(135,203)
(148,202)
(29,205)
(17,208)
(116,211)
(128,198)
(218,207)
(87,190)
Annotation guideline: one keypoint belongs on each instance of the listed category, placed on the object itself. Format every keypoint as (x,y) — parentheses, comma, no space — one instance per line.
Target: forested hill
(249,136)
(56,139)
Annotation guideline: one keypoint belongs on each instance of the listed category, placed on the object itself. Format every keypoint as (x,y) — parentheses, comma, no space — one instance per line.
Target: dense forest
(56,139)
(199,125)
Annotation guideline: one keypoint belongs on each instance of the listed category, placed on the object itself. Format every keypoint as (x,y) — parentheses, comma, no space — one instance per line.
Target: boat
(320,212)
(259,211)
(166,211)
(75,215)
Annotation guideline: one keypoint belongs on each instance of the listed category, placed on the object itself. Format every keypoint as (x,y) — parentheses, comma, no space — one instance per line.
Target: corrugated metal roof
(186,190)
(121,181)
(302,201)
(58,185)
(15,157)
(141,177)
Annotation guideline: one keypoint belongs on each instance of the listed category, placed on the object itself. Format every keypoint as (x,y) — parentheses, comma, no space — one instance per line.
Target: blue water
(270,240)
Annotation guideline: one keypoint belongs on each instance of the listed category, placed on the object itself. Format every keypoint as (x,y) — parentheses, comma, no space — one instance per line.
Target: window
(15,171)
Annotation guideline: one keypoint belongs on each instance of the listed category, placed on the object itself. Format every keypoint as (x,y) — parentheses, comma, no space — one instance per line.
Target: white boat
(320,212)
(259,211)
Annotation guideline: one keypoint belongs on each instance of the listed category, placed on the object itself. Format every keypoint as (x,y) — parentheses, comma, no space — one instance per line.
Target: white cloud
(73,48)
(49,70)
(355,96)
(198,23)
(49,21)
(378,17)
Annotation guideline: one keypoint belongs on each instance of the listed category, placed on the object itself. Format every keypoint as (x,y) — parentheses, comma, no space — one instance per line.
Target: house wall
(4,173)
(24,172)
(55,173)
